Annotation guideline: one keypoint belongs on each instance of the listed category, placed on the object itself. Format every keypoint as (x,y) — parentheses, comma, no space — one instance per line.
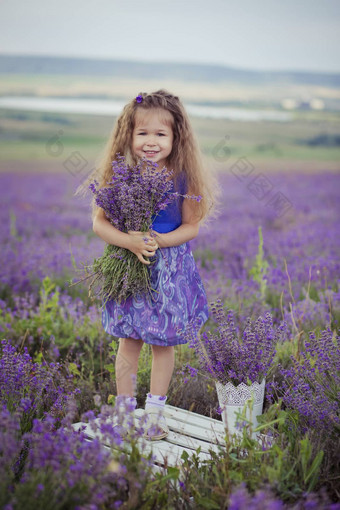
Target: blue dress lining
(170,218)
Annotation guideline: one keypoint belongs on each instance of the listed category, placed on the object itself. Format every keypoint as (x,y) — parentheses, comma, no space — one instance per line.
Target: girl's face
(152,136)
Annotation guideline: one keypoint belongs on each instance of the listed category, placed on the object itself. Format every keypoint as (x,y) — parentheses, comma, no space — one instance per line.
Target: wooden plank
(181,414)
(187,431)
(191,442)
(161,449)
(189,424)
(200,426)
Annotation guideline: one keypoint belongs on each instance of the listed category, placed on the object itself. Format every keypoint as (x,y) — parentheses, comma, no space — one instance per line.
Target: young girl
(155,126)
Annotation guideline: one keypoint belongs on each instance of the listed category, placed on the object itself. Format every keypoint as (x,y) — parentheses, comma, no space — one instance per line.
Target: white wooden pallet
(187,431)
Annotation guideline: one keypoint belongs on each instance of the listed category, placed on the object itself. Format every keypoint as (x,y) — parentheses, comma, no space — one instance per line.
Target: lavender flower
(241,499)
(60,467)
(265,499)
(312,385)
(229,356)
(11,446)
(31,386)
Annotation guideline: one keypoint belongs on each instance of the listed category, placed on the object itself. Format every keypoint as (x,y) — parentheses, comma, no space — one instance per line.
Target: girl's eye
(160,134)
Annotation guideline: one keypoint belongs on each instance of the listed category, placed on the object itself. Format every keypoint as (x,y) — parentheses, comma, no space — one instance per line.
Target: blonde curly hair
(185,154)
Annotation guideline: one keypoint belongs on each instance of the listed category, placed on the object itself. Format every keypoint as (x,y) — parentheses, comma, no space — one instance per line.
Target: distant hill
(22,64)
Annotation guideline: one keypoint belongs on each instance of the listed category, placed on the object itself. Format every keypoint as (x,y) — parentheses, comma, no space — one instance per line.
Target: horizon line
(176,62)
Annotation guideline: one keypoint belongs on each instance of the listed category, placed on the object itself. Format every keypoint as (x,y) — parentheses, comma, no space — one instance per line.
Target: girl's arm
(185,232)
(133,241)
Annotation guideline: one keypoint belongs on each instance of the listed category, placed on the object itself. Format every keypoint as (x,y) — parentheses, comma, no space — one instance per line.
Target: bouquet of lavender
(231,357)
(130,201)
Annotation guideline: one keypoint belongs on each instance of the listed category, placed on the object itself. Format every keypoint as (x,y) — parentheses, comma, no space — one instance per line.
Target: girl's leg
(127,365)
(163,362)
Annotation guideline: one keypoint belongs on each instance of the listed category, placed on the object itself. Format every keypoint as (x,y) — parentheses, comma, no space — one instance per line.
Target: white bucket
(232,400)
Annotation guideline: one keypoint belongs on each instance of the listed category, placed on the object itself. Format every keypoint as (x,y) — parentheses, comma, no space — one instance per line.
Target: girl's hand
(141,243)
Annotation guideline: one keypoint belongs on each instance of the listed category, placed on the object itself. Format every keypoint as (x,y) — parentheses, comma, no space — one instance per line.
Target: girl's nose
(151,139)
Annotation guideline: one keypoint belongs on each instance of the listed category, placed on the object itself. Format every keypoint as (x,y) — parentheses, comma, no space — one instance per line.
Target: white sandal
(155,426)
(125,426)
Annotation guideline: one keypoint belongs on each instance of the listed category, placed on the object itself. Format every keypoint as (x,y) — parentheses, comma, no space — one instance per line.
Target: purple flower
(311,385)
(139,98)
(32,388)
(241,499)
(230,355)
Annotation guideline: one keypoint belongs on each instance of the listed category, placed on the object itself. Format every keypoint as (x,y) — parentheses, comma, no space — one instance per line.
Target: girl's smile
(151,153)
(152,135)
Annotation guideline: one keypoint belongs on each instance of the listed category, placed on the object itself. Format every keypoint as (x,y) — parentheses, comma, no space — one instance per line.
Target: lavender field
(57,364)
(44,226)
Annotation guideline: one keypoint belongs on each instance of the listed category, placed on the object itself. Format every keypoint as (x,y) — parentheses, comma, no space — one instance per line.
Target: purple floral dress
(178,296)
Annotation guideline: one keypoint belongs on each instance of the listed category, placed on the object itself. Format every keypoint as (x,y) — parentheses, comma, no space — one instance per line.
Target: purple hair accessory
(139,98)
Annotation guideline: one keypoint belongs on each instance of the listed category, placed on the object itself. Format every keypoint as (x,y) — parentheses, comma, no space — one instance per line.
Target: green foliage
(313,293)
(51,325)
(48,319)
(309,465)
(110,366)
(289,465)
(44,321)
(259,269)
(284,351)
(13,228)
(273,299)
(144,372)
(159,492)
(55,496)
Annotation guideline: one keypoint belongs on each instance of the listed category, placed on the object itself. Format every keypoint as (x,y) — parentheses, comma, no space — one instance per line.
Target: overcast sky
(252,34)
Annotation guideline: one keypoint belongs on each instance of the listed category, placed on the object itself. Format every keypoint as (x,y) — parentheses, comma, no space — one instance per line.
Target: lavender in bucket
(230,356)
